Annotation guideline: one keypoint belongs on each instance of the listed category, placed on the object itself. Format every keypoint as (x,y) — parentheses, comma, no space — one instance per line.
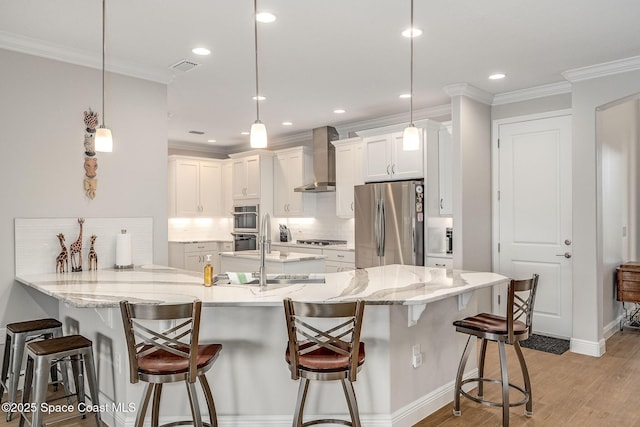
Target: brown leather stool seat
(502,330)
(324,345)
(158,356)
(41,355)
(18,335)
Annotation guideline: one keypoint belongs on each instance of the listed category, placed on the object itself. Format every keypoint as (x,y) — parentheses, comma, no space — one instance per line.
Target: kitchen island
(250,381)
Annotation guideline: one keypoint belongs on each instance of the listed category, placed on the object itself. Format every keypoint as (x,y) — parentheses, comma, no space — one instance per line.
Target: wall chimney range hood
(324,162)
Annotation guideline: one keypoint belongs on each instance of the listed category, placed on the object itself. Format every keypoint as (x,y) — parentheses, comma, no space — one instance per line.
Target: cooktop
(321,242)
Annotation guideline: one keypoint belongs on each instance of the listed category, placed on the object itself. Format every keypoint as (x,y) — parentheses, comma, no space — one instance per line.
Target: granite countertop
(274,256)
(392,284)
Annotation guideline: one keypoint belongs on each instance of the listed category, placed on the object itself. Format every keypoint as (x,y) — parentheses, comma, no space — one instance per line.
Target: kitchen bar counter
(250,380)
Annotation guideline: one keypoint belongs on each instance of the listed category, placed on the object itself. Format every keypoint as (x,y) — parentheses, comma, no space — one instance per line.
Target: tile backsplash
(193,229)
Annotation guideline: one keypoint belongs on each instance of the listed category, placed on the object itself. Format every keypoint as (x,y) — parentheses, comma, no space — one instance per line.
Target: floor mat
(546,344)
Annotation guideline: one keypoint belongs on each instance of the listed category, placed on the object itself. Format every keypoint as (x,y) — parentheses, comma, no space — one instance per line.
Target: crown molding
(465,89)
(602,70)
(532,93)
(41,48)
(200,148)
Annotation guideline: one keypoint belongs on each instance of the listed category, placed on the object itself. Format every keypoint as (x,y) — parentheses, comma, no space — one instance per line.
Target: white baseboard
(612,328)
(421,408)
(589,348)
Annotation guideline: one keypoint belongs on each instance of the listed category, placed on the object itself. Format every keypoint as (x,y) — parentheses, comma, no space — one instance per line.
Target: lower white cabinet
(441,262)
(338,260)
(193,256)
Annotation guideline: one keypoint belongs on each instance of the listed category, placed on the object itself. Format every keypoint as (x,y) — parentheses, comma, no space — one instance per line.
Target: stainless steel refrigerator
(389,223)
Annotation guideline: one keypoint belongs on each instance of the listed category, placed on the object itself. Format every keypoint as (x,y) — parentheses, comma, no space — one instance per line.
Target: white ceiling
(322,54)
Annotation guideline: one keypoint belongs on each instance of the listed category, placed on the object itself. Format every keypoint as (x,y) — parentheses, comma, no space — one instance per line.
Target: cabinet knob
(441,203)
(393,169)
(388,173)
(352,206)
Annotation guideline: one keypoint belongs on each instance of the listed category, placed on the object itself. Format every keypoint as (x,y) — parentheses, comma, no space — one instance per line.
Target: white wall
(617,138)
(588,318)
(42,131)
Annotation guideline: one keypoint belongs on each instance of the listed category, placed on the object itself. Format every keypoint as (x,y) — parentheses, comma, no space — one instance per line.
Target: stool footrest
(489,402)
(327,421)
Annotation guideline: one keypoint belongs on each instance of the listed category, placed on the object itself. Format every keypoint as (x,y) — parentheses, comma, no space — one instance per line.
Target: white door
(534,210)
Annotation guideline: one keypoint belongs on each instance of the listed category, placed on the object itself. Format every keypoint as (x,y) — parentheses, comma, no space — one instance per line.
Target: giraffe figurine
(75,249)
(62,261)
(93,256)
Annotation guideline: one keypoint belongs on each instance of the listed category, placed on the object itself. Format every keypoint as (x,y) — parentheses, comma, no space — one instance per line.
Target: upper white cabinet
(194,187)
(445,175)
(292,168)
(252,179)
(385,160)
(348,174)
(227,178)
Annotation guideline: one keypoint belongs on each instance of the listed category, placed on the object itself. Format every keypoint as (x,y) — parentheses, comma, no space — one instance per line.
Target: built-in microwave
(245,241)
(246,219)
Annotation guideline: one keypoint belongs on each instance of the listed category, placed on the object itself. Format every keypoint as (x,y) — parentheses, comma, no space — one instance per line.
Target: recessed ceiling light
(339,111)
(405,95)
(265,17)
(202,51)
(211,140)
(244,133)
(497,76)
(286,123)
(412,32)
(259,97)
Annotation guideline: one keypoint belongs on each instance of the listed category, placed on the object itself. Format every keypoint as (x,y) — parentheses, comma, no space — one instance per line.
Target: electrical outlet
(416,359)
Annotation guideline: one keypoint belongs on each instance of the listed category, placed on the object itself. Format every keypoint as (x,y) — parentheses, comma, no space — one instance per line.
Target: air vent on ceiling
(184,65)
(196,132)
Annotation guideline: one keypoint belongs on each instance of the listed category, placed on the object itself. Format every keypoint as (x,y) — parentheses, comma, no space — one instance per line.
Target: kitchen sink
(272,279)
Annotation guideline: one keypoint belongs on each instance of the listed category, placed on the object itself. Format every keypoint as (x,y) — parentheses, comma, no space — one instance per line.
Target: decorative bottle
(208,272)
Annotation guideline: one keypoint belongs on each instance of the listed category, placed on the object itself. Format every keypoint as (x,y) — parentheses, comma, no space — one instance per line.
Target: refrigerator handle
(383,229)
(376,227)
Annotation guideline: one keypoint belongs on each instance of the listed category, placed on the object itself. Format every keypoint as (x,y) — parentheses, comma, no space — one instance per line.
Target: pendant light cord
(411,70)
(255,40)
(103,48)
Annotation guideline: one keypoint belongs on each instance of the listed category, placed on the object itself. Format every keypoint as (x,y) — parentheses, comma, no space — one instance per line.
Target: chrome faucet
(265,245)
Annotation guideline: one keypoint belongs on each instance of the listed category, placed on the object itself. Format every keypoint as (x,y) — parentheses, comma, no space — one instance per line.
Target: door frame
(495,182)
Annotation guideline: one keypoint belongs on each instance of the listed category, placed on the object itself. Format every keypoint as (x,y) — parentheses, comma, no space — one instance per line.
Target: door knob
(566,255)
(567,242)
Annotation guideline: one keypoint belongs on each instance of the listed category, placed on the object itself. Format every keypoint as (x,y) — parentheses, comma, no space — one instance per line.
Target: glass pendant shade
(258,137)
(411,138)
(104,142)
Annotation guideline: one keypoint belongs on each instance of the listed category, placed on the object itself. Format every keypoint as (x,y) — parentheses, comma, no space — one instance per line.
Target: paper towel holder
(120,240)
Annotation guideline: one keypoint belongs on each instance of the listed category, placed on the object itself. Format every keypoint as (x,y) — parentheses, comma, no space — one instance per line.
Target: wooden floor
(568,389)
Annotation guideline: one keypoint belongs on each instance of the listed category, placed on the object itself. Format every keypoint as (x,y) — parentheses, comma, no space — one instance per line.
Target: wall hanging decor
(75,250)
(90,160)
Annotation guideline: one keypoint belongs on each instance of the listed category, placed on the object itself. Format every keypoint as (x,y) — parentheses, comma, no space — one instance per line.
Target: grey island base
(407,306)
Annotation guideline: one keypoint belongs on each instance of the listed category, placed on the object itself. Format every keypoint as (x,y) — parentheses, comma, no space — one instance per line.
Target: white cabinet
(193,256)
(338,260)
(252,178)
(227,191)
(385,160)
(348,174)
(292,168)
(194,187)
(440,262)
(445,175)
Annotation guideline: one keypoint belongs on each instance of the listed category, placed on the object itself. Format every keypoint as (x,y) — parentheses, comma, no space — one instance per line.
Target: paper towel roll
(123,250)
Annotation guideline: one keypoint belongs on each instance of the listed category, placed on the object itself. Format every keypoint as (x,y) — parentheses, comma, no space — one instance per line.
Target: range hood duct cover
(324,162)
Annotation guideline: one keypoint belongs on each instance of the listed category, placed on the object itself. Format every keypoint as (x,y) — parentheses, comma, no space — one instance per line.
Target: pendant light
(258,136)
(411,134)
(104,142)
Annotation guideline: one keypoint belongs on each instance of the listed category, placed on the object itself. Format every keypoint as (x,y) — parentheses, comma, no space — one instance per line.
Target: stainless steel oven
(246,219)
(245,241)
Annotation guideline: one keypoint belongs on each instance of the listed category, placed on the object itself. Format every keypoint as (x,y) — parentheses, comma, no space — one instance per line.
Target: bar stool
(18,335)
(159,356)
(324,345)
(40,356)
(503,330)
